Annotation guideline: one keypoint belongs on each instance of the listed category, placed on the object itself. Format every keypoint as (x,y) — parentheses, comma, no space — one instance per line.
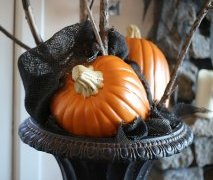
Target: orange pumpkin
(151,60)
(96,100)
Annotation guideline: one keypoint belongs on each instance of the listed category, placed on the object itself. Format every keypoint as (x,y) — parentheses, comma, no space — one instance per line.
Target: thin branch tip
(104,22)
(17,41)
(31,21)
(95,29)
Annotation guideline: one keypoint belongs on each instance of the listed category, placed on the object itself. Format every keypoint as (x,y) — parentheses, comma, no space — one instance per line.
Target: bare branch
(95,29)
(31,21)
(83,10)
(104,24)
(182,54)
(91,4)
(4,31)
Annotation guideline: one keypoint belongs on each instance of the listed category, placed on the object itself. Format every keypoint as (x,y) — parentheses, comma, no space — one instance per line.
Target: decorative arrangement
(98,109)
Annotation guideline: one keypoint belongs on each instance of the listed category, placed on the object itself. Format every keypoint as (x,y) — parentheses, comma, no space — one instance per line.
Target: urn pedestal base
(103,158)
(98,170)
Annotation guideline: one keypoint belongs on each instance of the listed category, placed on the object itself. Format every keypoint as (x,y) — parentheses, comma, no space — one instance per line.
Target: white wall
(131,13)
(28,163)
(6,90)
(59,14)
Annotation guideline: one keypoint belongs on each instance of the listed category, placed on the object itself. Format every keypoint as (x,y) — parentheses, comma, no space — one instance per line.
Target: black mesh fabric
(43,67)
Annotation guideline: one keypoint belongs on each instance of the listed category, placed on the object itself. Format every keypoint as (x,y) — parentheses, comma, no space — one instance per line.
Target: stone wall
(195,162)
(176,18)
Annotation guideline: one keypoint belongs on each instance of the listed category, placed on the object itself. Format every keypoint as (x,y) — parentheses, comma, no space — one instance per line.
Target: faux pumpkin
(96,99)
(151,60)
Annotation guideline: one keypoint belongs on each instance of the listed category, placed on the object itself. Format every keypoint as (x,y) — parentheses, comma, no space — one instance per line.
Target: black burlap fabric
(42,68)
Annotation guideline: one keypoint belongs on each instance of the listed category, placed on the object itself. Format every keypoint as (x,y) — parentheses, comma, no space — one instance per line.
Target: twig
(95,29)
(182,54)
(31,21)
(4,31)
(91,4)
(83,12)
(104,24)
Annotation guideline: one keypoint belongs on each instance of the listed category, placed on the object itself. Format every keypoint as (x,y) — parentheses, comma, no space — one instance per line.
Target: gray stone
(194,173)
(186,82)
(211,37)
(181,160)
(185,91)
(189,70)
(203,127)
(175,21)
(203,151)
(200,47)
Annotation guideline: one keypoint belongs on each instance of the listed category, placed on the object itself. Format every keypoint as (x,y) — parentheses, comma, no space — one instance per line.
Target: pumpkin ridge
(151,78)
(166,74)
(120,69)
(136,85)
(71,121)
(62,111)
(127,104)
(66,109)
(130,91)
(86,123)
(95,117)
(110,81)
(154,59)
(113,107)
(115,114)
(97,114)
(75,121)
(71,115)
(143,55)
(107,121)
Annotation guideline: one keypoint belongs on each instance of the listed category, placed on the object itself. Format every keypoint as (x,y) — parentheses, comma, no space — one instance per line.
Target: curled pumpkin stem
(133,31)
(87,80)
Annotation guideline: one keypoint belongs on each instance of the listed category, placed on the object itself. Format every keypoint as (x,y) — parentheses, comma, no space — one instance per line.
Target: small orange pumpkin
(151,60)
(96,100)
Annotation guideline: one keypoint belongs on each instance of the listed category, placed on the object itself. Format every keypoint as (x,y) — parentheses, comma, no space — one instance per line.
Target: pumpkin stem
(133,31)
(87,80)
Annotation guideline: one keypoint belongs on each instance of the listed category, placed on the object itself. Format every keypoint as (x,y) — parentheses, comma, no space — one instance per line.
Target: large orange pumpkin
(151,60)
(96,100)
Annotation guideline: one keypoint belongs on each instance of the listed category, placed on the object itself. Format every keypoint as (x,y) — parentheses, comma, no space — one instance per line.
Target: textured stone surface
(203,127)
(186,82)
(211,37)
(203,150)
(174,23)
(200,47)
(194,173)
(185,91)
(181,160)
(189,70)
